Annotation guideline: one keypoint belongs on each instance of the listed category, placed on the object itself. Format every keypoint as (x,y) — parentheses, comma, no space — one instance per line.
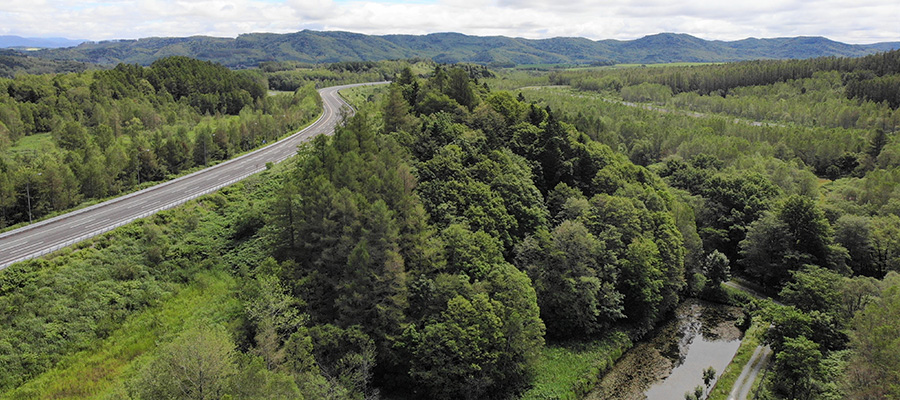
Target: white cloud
(844,20)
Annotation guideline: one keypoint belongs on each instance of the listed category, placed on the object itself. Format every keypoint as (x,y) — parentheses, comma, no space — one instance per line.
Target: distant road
(65,230)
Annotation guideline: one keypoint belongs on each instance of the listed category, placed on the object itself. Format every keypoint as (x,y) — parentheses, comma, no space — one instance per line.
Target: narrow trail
(760,358)
(744,382)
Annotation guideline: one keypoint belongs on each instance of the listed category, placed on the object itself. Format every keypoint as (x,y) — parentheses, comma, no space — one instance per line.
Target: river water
(671,360)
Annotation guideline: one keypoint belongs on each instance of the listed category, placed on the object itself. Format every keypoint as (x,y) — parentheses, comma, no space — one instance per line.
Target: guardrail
(131,219)
(173,204)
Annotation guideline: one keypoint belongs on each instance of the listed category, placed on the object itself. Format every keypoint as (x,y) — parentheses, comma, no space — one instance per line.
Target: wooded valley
(468,233)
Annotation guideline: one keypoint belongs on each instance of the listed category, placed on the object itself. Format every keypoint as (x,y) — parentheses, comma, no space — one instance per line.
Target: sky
(849,21)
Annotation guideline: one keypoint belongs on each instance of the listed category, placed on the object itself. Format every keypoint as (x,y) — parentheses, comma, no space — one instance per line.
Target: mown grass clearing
(360,95)
(31,143)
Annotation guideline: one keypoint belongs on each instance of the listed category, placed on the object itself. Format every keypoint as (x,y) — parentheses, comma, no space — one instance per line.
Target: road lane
(65,230)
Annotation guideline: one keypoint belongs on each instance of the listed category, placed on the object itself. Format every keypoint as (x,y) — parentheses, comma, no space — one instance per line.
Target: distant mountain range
(249,50)
(7,41)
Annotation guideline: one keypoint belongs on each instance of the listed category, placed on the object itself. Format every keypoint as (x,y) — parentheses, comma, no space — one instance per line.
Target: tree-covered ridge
(249,50)
(868,78)
(290,75)
(13,63)
(72,137)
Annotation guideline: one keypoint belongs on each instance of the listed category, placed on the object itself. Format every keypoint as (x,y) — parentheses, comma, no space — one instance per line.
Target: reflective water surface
(671,360)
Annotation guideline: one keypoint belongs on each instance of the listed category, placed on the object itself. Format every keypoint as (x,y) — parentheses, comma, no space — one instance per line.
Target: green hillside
(315,47)
(13,63)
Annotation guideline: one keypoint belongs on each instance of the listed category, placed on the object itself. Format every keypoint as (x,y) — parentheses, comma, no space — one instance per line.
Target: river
(671,360)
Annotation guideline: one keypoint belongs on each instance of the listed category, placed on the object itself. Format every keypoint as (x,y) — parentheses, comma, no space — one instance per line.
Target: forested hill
(313,46)
(13,63)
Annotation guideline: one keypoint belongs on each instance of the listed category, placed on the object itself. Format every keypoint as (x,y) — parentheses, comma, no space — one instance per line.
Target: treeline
(650,136)
(74,137)
(289,75)
(721,79)
(875,88)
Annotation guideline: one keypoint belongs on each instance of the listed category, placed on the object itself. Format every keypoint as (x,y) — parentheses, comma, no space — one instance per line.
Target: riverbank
(672,358)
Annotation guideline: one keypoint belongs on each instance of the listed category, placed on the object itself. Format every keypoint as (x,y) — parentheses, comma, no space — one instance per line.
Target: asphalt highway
(65,230)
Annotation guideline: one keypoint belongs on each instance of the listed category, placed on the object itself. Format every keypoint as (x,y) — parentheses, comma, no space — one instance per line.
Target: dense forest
(449,233)
(803,205)
(69,138)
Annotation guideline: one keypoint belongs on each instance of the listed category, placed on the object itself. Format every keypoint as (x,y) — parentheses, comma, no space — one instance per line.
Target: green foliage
(797,365)
(873,368)
(373,246)
(813,288)
(13,63)
(427,247)
(210,88)
(110,131)
(574,277)
(472,323)
(196,365)
(764,212)
(570,370)
(114,320)
(716,268)
(778,245)
(709,376)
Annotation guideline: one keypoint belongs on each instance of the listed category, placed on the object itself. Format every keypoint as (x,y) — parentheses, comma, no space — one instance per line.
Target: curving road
(53,234)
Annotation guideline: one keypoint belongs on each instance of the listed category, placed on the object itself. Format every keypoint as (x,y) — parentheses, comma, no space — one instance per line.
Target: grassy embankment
(361,95)
(33,144)
(752,339)
(101,371)
(120,296)
(571,370)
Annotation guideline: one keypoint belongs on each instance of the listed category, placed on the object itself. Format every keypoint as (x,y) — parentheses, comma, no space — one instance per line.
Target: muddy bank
(670,361)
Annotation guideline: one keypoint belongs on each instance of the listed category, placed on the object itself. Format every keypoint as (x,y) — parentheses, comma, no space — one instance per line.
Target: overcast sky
(851,21)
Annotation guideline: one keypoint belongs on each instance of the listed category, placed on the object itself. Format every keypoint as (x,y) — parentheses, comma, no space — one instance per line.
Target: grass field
(570,370)
(99,372)
(357,96)
(31,143)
